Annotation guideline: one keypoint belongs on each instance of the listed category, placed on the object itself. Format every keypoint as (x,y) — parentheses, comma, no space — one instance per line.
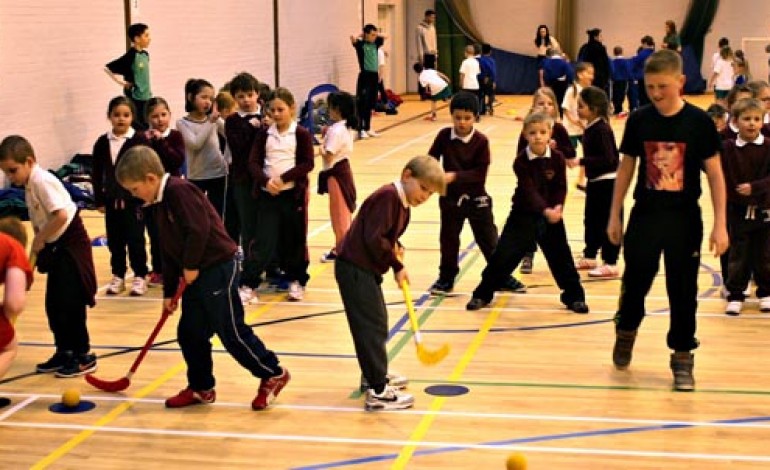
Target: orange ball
(516,461)
(70,398)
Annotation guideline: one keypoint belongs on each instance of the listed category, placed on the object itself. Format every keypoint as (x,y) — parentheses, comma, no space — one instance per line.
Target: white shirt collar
(274,129)
(247,113)
(732,125)
(127,135)
(532,156)
(593,122)
(161,188)
(453,135)
(401,193)
(166,133)
(758,141)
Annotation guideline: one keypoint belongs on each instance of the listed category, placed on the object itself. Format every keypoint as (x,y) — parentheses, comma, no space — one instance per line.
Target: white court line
(556,308)
(319,230)
(412,412)
(389,442)
(19,406)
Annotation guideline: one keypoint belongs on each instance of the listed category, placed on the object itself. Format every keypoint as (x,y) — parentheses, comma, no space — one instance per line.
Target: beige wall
(512,25)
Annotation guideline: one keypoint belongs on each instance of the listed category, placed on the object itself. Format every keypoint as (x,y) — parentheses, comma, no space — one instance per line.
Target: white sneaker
(329,257)
(371,133)
(734,307)
(296,291)
(138,286)
(764,304)
(390,399)
(605,270)
(248,295)
(396,381)
(116,286)
(363,135)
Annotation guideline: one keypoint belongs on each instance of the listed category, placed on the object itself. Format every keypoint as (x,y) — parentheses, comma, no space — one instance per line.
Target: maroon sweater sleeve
(542,182)
(99,156)
(171,151)
(240,135)
(192,233)
(257,161)
(563,144)
(600,152)
(374,233)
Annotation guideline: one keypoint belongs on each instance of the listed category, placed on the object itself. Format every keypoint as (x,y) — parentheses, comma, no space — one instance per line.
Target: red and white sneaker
(585,263)
(155,279)
(605,270)
(269,390)
(189,397)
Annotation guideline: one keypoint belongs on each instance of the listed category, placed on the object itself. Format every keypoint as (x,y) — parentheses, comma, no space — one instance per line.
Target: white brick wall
(315,44)
(52,86)
(53,89)
(206,39)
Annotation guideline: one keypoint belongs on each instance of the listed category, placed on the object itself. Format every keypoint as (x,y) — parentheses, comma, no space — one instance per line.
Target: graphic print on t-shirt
(665,165)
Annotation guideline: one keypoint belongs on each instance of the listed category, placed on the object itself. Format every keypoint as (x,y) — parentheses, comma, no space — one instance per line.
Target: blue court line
(397,328)
(534,439)
(716,281)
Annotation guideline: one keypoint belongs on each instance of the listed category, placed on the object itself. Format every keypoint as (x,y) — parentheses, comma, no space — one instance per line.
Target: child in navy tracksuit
(197,248)
(620,70)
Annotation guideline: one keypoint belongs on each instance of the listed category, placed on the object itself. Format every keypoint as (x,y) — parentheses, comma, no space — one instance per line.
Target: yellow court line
(123,407)
(425,423)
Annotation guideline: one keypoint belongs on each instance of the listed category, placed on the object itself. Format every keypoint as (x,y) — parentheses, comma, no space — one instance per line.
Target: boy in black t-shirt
(673,141)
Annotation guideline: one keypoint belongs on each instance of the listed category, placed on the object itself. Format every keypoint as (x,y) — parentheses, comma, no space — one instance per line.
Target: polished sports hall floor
(539,378)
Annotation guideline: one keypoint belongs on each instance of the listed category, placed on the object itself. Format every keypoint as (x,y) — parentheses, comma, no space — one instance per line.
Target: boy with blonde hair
(369,249)
(196,247)
(536,218)
(666,218)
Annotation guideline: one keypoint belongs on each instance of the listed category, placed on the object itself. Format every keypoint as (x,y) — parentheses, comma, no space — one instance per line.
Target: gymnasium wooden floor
(539,378)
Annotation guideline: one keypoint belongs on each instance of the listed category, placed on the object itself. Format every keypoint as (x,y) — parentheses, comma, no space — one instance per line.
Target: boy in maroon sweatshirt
(368,250)
(465,156)
(196,246)
(535,218)
(746,165)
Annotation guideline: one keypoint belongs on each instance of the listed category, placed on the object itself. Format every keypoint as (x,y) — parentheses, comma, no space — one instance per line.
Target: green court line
(556,385)
(406,337)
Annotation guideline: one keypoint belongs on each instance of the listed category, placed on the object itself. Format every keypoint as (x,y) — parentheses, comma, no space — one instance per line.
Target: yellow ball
(516,461)
(70,398)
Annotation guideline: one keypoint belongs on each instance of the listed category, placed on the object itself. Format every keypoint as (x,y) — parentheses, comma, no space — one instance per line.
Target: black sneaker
(476,304)
(578,306)
(54,363)
(513,285)
(79,365)
(441,287)
(4,402)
